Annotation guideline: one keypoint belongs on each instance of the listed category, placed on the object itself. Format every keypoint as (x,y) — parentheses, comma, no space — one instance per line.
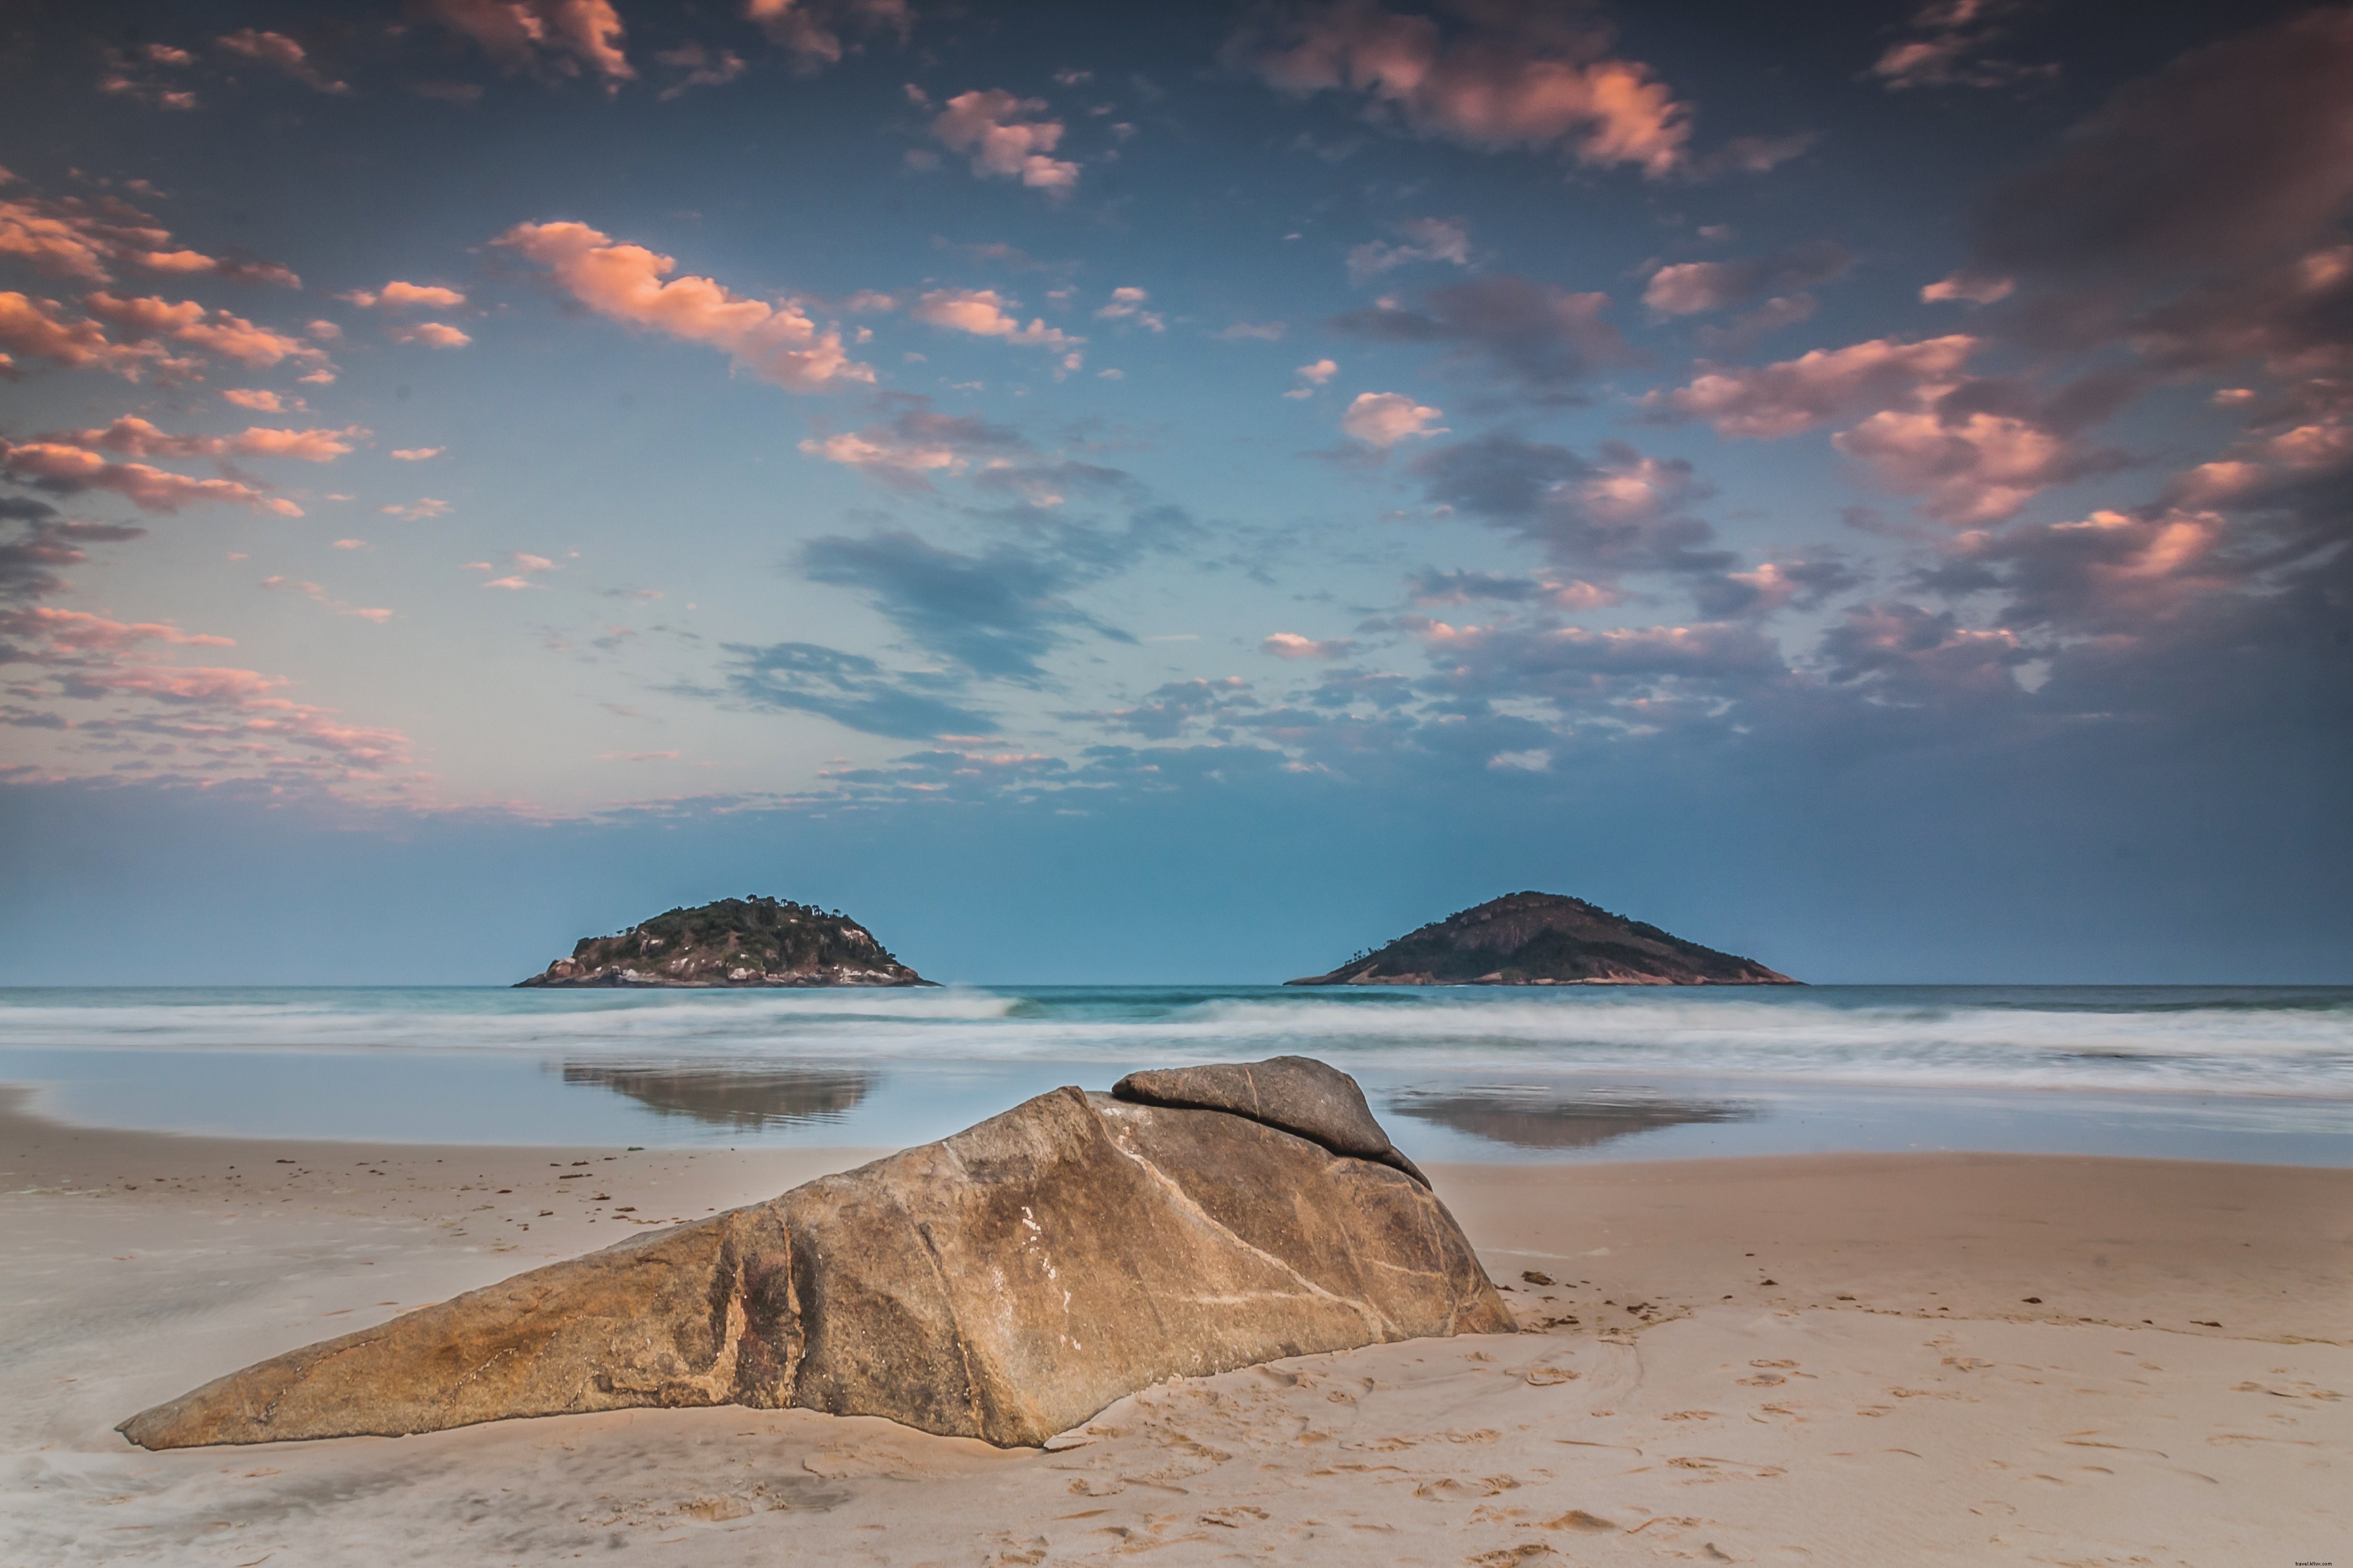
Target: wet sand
(1836,1359)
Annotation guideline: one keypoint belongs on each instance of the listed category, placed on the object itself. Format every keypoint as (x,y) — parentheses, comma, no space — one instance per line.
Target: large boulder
(1005,1283)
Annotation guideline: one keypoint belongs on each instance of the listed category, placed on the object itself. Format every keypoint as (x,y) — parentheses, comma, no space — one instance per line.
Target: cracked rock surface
(1005,1283)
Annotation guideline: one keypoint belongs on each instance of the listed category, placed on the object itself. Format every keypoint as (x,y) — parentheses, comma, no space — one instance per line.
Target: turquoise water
(2243,1073)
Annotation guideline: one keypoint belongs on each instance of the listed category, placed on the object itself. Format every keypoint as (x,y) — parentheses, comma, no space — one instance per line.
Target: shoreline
(1735,1359)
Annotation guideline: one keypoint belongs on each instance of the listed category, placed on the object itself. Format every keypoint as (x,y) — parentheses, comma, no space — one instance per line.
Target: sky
(1176,493)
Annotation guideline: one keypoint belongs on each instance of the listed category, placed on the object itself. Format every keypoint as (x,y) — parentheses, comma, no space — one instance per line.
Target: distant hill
(1545,938)
(743,942)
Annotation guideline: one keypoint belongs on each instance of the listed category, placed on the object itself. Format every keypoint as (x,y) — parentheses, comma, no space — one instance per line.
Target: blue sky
(1179,497)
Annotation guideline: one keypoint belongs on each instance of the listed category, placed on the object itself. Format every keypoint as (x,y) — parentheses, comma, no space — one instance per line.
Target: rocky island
(1545,938)
(747,942)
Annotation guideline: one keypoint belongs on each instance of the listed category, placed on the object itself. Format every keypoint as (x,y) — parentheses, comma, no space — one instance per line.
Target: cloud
(417,510)
(1544,337)
(431,334)
(1967,289)
(996,613)
(1585,669)
(1775,585)
(2231,156)
(1690,288)
(1950,48)
(698,67)
(1312,376)
(256,399)
(232,337)
(1264,331)
(77,631)
(38,328)
(558,36)
(1820,385)
(1127,304)
(1170,708)
(31,560)
(1513,78)
(133,74)
(1004,137)
(1430,586)
(279,50)
(399,296)
(132,436)
(67,470)
(1291,645)
(1426,239)
(1973,468)
(850,689)
(814,29)
(318,595)
(1382,419)
(1916,655)
(777,343)
(1624,513)
(983,312)
(87,239)
(916,443)
(416,454)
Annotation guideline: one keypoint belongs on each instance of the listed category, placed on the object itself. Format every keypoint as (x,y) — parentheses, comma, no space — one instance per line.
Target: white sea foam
(2215,1040)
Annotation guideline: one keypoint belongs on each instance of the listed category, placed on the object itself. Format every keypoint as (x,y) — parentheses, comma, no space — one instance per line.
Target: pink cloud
(397,296)
(1291,645)
(983,312)
(316,595)
(1311,376)
(417,510)
(79,631)
(58,466)
(259,401)
(776,342)
(432,334)
(132,436)
(278,49)
(38,328)
(813,29)
(1003,136)
(548,35)
(86,239)
(1981,467)
(1797,395)
(1382,419)
(417,454)
(699,67)
(1967,288)
(1512,79)
(230,336)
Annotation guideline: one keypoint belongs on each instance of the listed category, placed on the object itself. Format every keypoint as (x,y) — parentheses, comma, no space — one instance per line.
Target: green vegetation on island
(1545,938)
(747,942)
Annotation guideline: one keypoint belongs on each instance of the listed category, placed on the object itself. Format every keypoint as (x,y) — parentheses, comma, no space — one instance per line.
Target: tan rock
(1005,1283)
(1298,1094)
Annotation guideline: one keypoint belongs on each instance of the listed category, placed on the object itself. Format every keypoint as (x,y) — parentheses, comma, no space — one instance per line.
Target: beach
(1863,1358)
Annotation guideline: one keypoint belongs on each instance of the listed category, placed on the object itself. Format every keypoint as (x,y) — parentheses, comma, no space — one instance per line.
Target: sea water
(2259,1074)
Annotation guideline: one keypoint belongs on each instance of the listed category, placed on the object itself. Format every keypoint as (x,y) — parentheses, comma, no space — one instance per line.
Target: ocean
(2257,1074)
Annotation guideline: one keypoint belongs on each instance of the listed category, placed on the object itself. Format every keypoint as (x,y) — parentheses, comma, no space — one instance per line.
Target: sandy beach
(1834,1359)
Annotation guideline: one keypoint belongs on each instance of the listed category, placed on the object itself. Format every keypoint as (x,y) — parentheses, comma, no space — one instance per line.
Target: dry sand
(1819,1358)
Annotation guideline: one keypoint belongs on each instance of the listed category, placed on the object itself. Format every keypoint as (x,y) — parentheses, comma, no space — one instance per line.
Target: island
(742,942)
(1545,938)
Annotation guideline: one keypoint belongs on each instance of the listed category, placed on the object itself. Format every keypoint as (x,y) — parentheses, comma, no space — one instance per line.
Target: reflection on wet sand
(1547,1119)
(733,1096)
